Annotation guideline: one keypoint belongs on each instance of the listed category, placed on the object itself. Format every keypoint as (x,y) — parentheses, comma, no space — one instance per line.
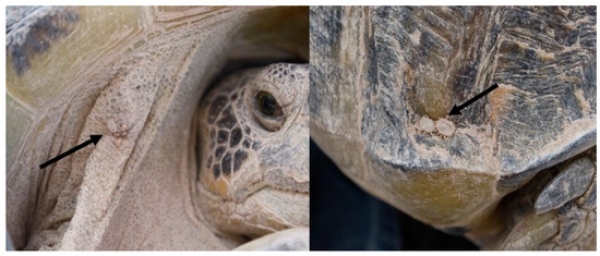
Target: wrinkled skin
(137,75)
(377,71)
(253,172)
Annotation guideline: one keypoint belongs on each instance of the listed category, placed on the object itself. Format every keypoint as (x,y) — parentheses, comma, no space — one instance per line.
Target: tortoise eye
(268,112)
(267,104)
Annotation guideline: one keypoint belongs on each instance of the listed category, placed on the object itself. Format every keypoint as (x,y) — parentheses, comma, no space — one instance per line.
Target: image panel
(477,121)
(157,128)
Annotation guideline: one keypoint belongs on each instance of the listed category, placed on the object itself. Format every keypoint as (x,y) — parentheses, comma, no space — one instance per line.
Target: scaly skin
(135,75)
(253,168)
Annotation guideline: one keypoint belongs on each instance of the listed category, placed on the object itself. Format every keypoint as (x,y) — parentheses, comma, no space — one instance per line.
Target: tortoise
(516,169)
(204,117)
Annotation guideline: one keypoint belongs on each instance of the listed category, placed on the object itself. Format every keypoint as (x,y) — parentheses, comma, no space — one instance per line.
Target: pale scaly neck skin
(137,80)
(253,176)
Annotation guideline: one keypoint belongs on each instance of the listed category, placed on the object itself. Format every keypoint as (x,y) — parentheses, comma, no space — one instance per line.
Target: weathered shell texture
(375,71)
(135,75)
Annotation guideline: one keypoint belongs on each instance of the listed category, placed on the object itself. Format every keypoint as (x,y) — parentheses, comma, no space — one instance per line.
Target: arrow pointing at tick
(456,110)
(93,139)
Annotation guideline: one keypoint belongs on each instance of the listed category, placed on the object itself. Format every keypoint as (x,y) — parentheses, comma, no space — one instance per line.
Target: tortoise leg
(567,185)
(572,195)
(564,213)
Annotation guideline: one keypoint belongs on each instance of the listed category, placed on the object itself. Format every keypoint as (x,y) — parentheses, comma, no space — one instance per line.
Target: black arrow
(93,139)
(456,110)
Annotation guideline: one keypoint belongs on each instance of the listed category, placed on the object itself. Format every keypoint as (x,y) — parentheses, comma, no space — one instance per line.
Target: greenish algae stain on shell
(453,196)
(429,95)
(89,45)
(35,34)
(433,98)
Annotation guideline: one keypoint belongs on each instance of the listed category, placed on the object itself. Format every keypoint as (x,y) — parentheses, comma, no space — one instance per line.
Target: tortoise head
(135,75)
(253,151)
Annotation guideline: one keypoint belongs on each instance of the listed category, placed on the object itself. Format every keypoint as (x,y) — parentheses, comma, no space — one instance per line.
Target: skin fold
(137,75)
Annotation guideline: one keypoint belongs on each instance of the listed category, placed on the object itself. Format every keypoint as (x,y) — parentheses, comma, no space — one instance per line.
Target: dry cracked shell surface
(517,169)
